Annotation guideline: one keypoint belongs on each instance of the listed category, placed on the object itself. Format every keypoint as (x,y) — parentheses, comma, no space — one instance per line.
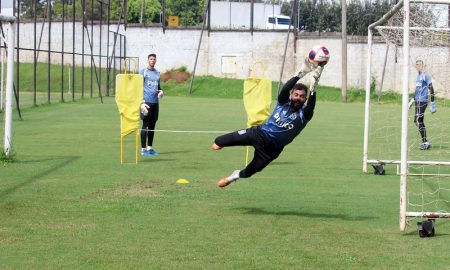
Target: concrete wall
(232,53)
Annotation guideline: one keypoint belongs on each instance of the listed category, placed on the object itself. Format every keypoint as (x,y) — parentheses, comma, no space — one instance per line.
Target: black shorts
(153,112)
(265,150)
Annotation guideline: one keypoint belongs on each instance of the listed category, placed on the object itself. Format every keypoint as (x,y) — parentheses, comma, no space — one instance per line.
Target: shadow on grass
(64,162)
(260,211)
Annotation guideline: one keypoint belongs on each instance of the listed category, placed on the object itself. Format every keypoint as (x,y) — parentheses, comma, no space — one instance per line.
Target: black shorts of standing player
(149,123)
(265,151)
(419,116)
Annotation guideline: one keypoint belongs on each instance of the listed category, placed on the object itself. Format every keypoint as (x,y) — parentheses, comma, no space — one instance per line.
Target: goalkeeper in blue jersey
(150,106)
(424,87)
(288,119)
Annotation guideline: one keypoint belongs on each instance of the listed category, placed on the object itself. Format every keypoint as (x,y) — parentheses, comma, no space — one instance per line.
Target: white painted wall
(178,47)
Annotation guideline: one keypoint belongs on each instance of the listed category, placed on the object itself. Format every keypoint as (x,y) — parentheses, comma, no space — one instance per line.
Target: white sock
(234,176)
(143,149)
(149,148)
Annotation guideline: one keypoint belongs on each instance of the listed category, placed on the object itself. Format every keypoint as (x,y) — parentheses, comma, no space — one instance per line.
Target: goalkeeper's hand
(411,102)
(160,94)
(433,107)
(315,78)
(306,67)
(144,108)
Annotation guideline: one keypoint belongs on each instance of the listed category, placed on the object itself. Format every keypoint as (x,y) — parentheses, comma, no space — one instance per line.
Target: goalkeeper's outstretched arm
(309,109)
(283,97)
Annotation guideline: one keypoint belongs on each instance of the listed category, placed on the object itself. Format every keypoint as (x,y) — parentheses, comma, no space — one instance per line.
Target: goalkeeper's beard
(296,104)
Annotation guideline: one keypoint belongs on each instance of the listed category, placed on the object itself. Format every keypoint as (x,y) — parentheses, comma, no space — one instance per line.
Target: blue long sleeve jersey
(285,124)
(423,81)
(151,84)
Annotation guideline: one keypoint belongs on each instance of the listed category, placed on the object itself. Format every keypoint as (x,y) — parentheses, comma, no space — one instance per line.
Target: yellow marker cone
(182,181)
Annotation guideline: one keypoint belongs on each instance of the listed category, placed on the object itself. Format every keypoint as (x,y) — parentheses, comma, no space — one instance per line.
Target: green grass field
(66,202)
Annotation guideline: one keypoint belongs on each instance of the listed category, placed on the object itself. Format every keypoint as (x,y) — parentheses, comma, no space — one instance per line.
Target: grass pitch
(66,202)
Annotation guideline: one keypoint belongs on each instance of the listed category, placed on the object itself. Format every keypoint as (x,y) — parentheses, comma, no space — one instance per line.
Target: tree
(26,8)
(190,12)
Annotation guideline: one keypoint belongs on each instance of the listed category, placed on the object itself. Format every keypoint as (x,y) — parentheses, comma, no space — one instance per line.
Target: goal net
(412,32)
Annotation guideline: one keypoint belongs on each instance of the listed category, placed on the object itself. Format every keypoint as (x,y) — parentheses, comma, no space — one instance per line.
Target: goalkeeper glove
(433,107)
(306,67)
(411,102)
(144,109)
(160,94)
(315,78)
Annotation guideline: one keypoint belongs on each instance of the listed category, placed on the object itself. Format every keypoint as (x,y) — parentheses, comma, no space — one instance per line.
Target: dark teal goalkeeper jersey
(285,124)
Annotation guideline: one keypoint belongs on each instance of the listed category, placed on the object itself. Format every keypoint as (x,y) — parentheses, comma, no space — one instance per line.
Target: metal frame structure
(96,52)
(403,162)
(7,148)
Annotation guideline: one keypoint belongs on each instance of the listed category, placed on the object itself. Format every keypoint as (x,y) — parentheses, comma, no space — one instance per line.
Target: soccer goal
(10,37)
(411,31)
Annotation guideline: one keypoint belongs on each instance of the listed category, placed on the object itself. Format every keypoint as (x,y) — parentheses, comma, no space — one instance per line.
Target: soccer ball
(319,55)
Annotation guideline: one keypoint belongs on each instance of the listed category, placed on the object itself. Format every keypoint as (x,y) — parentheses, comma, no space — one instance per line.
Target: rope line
(186,131)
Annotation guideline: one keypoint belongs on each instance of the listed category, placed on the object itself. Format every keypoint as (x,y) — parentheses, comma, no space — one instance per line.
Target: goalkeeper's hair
(150,55)
(300,86)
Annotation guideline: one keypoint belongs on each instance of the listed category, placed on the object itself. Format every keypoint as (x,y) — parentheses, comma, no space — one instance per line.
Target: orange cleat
(223,182)
(216,147)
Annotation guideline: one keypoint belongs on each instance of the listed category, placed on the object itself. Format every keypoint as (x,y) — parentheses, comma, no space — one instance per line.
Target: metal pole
(18,53)
(284,58)
(367,105)
(285,51)
(34,53)
(49,9)
(252,6)
(82,47)
(198,48)
(344,51)
(9,86)
(114,69)
(2,55)
(108,64)
(404,137)
(92,39)
(382,72)
(229,17)
(142,10)
(100,49)
(73,50)
(62,53)
(163,21)
(295,24)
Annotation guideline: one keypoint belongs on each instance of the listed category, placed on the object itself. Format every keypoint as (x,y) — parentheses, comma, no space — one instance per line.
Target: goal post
(10,20)
(418,30)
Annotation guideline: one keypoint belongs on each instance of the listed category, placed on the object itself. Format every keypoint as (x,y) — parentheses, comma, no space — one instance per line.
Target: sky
(7,3)
(7,7)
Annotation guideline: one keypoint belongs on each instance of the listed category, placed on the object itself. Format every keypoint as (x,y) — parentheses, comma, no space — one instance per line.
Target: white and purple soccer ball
(319,54)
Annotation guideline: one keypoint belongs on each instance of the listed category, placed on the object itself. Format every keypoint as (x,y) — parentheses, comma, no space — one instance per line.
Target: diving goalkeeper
(288,119)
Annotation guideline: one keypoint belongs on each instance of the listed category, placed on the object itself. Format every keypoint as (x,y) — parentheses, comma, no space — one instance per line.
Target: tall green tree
(190,12)
(150,13)
(26,8)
